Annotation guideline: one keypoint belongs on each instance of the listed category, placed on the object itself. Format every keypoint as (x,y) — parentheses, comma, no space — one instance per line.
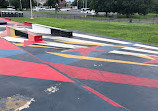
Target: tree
(3,3)
(145,6)
(25,3)
(15,3)
(125,7)
(155,6)
(80,3)
(102,6)
(52,3)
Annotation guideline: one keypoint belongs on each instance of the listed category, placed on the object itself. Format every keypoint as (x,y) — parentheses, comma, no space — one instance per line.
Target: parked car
(84,9)
(65,9)
(11,8)
(88,11)
(49,9)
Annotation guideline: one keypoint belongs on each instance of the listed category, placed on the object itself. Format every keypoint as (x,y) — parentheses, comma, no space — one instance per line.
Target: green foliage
(3,3)
(25,3)
(15,3)
(80,3)
(125,7)
(102,6)
(52,3)
(155,6)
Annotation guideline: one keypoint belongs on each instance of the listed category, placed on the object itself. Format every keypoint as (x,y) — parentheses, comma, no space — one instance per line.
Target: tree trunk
(127,15)
(106,14)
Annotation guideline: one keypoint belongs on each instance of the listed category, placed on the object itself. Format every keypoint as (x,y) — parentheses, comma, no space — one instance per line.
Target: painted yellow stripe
(82,43)
(100,59)
(37,46)
(68,42)
(146,57)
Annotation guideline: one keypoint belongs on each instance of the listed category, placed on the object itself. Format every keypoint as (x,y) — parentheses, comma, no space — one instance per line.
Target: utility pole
(31,9)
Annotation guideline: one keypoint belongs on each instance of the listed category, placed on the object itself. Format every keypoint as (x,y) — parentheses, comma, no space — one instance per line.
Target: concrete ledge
(2,22)
(21,33)
(41,29)
(31,36)
(51,30)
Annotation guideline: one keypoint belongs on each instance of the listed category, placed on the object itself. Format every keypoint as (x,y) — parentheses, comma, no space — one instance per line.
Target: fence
(84,17)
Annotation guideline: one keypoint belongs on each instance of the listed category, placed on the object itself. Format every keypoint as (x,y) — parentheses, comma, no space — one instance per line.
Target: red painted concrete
(3,34)
(20,68)
(9,21)
(90,74)
(28,23)
(85,51)
(102,96)
(6,18)
(8,30)
(35,37)
(153,61)
(6,45)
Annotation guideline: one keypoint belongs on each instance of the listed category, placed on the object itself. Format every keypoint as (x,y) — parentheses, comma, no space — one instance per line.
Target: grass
(3,8)
(149,16)
(146,33)
(137,16)
(49,12)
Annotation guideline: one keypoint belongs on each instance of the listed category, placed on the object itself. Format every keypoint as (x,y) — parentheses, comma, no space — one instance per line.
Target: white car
(49,9)
(65,9)
(36,9)
(84,9)
(10,8)
(92,12)
(87,11)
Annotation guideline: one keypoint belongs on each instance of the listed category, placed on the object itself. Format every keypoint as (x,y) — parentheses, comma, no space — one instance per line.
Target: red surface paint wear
(90,74)
(8,30)
(6,45)
(3,34)
(102,96)
(6,18)
(14,67)
(85,51)
(153,61)
(9,21)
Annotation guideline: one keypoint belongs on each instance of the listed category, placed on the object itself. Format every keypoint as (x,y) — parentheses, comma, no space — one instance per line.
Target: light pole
(77,3)
(85,3)
(20,5)
(9,2)
(31,9)
(37,3)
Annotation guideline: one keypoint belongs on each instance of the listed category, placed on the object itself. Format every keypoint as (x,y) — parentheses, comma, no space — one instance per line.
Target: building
(41,1)
(62,3)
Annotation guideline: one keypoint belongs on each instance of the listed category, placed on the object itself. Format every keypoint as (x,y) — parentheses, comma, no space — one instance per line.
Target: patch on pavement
(15,103)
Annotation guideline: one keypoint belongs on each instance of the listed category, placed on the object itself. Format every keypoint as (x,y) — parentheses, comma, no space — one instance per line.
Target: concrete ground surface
(84,73)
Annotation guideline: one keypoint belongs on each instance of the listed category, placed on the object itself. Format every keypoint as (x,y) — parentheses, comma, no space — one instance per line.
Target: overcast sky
(70,0)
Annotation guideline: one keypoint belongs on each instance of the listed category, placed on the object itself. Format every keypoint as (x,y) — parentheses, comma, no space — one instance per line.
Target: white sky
(70,0)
